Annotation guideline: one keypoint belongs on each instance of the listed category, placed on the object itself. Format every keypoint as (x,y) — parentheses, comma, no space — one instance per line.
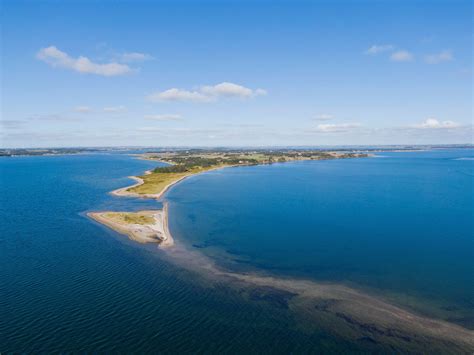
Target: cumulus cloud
(433,123)
(175,94)
(231,90)
(207,93)
(323,117)
(336,127)
(115,109)
(164,117)
(83,109)
(56,58)
(401,56)
(379,48)
(135,57)
(443,56)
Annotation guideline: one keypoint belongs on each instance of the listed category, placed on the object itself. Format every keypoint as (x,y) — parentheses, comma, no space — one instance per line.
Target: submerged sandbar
(353,315)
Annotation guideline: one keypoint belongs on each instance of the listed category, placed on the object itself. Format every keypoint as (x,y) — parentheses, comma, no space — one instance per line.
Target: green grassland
(130,217)
(157,181)
(186,163)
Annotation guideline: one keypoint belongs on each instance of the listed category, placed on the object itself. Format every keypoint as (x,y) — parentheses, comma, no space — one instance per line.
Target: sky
(235,73)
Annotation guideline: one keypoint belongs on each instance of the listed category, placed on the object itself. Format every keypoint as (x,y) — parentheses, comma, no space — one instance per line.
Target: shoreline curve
(385,321)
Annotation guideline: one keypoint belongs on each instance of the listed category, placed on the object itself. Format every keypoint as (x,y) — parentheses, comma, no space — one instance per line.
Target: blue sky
(208,73)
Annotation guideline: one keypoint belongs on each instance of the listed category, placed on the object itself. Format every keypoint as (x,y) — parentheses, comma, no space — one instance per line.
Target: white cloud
(175,94)
(401,56)
(135,57)
(115,109)
(336,127)
(207,93)
(57,58)
(433,123)
(260,92)
(83,109)
(231,90)
(379,48)
(443,56)
(164,117)
(323,117)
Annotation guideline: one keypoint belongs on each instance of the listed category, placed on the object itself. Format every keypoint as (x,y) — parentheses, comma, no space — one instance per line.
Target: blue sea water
(401,224)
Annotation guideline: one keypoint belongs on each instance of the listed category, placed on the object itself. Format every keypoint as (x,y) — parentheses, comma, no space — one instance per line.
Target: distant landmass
(10,152)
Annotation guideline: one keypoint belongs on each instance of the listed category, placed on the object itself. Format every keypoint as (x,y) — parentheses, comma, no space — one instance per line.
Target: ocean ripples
(70,285)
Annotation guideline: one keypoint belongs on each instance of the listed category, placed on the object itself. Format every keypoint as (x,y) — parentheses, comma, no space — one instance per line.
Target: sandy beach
(156,232)
(354,312)
(123,191)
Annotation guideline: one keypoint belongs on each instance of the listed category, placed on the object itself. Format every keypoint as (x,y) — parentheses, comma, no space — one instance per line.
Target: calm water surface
(400,224)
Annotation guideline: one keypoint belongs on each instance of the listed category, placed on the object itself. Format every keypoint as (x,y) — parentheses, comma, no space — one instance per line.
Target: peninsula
(152,226)
(354,315)
(182,164)
(142,226)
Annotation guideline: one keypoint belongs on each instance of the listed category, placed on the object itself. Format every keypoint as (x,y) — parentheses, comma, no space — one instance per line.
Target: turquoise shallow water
(400,224)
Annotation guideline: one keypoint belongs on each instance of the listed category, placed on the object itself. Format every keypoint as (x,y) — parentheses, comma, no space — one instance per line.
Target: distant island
(19,152)
(152,226)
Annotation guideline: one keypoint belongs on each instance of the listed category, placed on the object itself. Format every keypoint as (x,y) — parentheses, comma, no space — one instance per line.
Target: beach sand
(351,314)
(156,232)
(123,191)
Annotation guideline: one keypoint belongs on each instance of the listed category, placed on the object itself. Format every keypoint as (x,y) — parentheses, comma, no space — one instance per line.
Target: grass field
(186,163)
(130,217)
(154,183)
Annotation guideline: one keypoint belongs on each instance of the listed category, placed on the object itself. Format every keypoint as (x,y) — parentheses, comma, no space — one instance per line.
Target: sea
(398,225)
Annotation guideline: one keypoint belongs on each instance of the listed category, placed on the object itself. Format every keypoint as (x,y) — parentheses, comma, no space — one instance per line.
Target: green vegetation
(194,161)
(131,217)
(156,182)
(171,169)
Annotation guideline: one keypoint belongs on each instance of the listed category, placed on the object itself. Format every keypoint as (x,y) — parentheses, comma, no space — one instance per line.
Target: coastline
(158,232)
(347,311)
(168,241)
(139,181)
(123,191)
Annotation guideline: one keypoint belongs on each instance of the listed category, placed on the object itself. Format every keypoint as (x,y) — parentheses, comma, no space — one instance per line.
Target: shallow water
(69,284)
(401,225)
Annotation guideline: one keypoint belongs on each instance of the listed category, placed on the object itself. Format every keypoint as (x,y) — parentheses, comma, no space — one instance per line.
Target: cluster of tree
(184,162)
(192,161)
(171,169)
